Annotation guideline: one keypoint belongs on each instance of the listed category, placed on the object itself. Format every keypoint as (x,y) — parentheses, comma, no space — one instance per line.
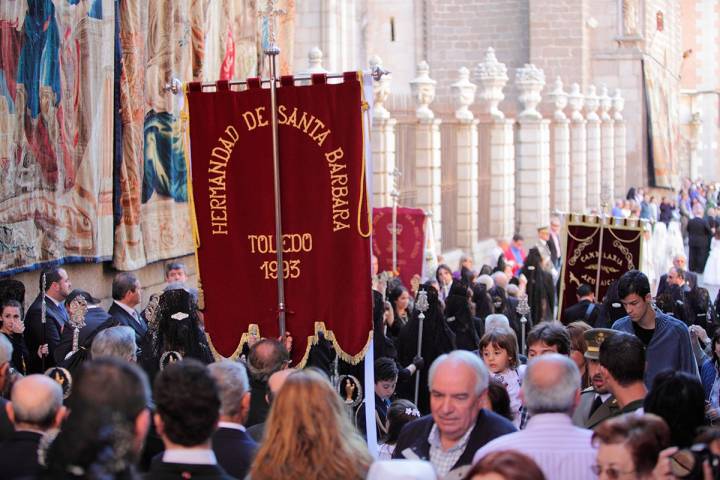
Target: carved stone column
(578,151)
(496,146)
(607,149)
(561,148)
(618,103)
(532,154)
(467,162)
(383,140)
(427,149)
(593,149)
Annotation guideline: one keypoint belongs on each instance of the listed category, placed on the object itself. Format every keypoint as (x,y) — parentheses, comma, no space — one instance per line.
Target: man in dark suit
(679,261)
(43,335)
(96,319)
(586,310)
(231,443)
(458,382)
(187,411)
(699,235)
(36,407)
(126,296)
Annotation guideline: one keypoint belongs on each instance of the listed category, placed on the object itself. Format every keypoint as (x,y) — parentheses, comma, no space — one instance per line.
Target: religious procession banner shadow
(597,252)
(325,214)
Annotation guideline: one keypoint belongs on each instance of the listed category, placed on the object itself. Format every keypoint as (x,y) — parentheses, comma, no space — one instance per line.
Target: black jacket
(96,319)
(19,457)
(160,470)
(36,333)
(125,319)
(234,450)
(699,233)
(488,426)
(578,312)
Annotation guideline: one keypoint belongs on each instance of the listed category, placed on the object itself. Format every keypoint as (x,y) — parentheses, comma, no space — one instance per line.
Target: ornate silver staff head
(422,303)
(523,307)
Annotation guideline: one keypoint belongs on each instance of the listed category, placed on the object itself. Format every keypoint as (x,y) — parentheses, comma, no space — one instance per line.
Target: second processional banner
(325,216)
(597,254)
(410,228)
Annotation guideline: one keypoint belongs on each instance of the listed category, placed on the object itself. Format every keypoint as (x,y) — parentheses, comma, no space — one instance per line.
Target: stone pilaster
(607,149)
(427,150)
(561,148)
(532,155)
(593,149)
(467,162)
(578,151)
(497,146)
(383,140)
(618,103)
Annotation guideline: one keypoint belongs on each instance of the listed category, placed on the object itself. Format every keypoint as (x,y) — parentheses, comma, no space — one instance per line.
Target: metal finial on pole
(523,309)
(271,50)
(422,305)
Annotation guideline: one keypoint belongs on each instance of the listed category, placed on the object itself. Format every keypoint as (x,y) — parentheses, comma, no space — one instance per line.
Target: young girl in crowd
(400,412)
(500,353)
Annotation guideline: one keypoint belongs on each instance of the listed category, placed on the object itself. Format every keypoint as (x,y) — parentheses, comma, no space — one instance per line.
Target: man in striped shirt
(550,392)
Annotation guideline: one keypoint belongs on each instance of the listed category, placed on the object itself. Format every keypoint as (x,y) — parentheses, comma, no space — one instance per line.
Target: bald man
(275,381)
(35,407)
(550,392)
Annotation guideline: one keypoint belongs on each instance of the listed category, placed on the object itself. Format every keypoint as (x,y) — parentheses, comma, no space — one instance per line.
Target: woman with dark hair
(678,398)
(460,318)
(400,413)
(540,288)
(174,327)
(505,465)
(498,399)
(437,339)
(444,277)
(399,299)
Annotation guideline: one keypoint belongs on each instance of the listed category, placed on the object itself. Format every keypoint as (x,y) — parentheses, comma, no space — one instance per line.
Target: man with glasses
(666,339)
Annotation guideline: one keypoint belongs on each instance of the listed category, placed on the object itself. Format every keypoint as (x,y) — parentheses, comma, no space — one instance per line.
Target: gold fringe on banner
(254,330)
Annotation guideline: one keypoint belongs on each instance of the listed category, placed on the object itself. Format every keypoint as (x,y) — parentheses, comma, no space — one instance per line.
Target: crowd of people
(627,386)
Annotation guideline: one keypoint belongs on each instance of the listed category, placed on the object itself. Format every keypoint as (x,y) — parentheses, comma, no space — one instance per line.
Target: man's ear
(60,416)
(159,425)
(244,407)
(10,412)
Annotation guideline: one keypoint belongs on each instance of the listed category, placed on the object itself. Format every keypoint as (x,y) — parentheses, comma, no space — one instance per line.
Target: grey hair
(486,280)
(503,280)
(557,396)
(512,290)
(115,342)
(232,381)
(6,350)
(496,320)
(468,359)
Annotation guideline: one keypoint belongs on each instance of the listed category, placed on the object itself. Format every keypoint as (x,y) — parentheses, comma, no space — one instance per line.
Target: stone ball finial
(560,100)
(381,91)
(618,104)
(492,77)
(530,81)
(591,103)
(315,58)
(576,101)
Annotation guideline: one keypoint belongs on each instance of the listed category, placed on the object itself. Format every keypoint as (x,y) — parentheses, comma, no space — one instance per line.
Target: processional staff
(422,305)
(395,194)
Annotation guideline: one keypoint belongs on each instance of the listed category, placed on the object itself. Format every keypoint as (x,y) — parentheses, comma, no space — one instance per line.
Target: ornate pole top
(269,15)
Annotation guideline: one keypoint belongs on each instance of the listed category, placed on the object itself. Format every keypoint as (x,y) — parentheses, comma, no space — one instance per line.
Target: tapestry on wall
(56,116)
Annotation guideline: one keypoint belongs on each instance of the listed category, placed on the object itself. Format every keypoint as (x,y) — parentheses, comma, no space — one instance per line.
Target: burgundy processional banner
(325,215)
(611,249)
(410,241)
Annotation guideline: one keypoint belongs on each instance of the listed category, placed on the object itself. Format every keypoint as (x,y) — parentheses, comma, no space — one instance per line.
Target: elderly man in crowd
(550,392)
(231,443)
(116,342)
(265,358)
(36,407)
(458,425)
